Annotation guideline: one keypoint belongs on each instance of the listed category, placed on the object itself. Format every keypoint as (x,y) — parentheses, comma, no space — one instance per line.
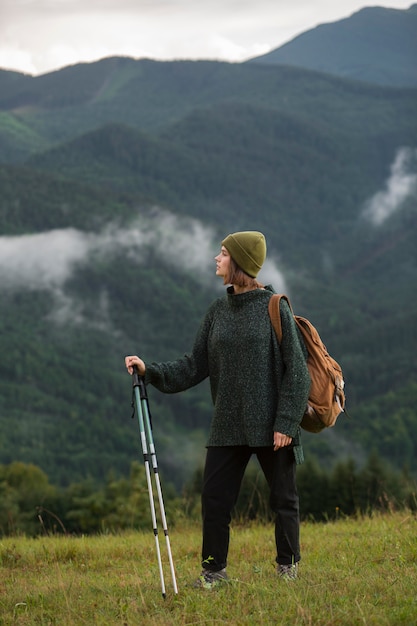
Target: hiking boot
(209,579)
(288,572)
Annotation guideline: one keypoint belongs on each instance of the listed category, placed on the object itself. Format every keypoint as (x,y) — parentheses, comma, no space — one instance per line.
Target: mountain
(375,45)
(118,180)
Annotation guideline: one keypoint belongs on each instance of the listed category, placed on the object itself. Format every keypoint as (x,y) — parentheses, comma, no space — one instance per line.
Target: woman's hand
(130,361)
(280,441)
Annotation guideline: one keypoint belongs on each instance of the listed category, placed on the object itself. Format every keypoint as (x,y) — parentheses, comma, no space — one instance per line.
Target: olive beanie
(247,249)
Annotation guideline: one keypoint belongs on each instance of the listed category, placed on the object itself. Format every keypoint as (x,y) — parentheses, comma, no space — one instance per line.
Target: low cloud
(401,183)
(42,260)
(271,275)
(47,261)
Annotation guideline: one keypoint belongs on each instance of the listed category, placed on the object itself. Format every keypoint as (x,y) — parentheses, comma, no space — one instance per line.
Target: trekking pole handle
(139,381)
(135,376)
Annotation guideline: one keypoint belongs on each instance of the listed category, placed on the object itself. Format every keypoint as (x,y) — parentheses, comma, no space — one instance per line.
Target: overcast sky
(37,36)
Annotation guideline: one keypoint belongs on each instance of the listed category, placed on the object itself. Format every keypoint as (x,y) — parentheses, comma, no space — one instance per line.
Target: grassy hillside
(352,572)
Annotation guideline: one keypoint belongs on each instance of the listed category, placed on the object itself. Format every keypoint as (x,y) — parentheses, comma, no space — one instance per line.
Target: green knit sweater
(257,387)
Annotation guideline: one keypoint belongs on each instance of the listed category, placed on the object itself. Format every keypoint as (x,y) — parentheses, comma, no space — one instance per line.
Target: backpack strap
(275,313)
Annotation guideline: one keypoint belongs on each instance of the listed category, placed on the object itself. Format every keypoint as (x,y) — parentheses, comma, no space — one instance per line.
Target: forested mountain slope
(118,181)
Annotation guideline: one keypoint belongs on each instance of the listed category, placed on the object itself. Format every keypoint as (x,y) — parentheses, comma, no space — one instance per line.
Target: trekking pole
(145,428)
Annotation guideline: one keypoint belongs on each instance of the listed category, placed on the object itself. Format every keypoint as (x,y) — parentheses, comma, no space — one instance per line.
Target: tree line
(30,505)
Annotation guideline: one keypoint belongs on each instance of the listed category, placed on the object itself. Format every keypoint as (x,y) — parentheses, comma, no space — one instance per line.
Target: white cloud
(46,261)
(41,261)
(271,275)
(401,183)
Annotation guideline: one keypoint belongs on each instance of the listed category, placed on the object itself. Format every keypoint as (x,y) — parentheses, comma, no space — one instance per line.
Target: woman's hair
(237,276)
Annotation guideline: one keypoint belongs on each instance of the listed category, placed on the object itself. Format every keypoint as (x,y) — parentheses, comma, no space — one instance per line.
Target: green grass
(361,571)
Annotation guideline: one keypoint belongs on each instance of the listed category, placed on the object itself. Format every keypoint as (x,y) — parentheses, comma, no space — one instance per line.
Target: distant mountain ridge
(375,45)
(37,113)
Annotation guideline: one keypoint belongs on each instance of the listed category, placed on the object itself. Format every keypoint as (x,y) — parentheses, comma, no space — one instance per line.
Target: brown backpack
(327,398)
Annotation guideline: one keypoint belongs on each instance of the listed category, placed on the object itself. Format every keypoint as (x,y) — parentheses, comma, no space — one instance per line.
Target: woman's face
(222,263)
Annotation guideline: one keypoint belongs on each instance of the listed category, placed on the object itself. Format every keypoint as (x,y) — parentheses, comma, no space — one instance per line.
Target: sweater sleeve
(295,386)
(185,372)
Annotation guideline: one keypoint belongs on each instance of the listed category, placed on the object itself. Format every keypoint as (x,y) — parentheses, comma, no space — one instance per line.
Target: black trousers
(223,474)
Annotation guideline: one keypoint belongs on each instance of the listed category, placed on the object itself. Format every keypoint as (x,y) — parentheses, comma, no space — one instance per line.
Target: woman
(259,391)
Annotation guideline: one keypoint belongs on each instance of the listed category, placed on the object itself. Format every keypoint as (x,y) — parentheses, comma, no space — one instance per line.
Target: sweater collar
(240,299)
